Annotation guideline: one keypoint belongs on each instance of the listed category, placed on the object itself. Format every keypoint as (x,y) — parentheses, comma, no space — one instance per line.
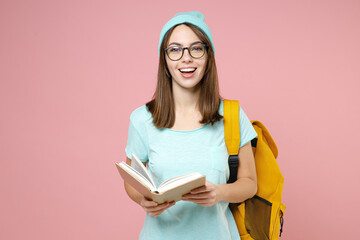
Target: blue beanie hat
(196,18)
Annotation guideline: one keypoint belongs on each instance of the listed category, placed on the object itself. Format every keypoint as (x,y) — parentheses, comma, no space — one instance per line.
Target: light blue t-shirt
(171,153)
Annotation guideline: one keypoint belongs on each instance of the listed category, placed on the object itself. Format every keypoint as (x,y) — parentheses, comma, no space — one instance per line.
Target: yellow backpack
(260,217)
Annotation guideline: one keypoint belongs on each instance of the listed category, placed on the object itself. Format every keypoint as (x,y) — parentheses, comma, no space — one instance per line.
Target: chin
(190,86)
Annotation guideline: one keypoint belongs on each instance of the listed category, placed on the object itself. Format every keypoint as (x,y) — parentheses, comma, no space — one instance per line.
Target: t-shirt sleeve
(136,142)
(247,131)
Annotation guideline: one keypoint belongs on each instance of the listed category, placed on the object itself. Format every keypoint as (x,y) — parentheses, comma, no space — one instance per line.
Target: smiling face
(182,70)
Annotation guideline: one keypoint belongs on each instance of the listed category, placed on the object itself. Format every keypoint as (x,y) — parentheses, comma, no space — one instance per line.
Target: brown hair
(162,105)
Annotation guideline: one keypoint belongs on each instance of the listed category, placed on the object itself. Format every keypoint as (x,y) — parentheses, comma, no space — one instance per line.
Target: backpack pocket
(253,218)
(263,219)
(246,237)
(277,220)
(258,217)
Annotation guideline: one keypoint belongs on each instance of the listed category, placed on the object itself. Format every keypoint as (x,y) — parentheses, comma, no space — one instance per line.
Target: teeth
(187,70)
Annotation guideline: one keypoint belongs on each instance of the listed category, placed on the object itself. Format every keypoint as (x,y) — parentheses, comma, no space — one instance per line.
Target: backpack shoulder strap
(232,135)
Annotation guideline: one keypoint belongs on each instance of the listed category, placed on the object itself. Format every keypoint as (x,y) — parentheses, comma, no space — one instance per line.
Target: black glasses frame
(183,49)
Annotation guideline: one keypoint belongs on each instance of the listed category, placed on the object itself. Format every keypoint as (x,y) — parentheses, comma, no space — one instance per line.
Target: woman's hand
(206,196)
(153,208)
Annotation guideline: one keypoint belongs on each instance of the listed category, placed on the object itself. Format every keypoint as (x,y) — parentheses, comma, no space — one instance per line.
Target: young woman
(181,130)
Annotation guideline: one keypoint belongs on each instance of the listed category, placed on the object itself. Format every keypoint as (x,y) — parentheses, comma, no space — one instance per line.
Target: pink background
(71,72)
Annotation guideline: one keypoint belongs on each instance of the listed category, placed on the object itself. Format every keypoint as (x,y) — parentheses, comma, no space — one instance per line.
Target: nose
(186,57)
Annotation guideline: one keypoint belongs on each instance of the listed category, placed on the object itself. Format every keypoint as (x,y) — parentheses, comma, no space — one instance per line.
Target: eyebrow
(175,43)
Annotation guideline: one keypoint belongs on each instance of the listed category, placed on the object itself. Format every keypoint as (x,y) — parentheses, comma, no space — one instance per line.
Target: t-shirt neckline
(187,131)
(196,129)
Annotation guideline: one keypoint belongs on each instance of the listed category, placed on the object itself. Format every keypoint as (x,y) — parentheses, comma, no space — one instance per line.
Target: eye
(174,49)
(197,48)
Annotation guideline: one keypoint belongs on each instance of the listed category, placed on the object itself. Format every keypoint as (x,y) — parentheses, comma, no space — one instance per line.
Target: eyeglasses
(196,50)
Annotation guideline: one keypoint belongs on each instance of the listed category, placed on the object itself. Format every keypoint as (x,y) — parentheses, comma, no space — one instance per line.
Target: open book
(171,190)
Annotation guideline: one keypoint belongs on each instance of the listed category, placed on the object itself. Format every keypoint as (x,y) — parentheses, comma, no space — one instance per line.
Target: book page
(136,175)
(140,168)
(177,181)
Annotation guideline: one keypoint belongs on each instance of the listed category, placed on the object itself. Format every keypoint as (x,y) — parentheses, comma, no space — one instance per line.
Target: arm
(150,207)
(243,188)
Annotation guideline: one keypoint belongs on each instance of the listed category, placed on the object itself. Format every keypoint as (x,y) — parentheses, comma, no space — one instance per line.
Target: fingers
(204,196)
(199,190)
(203,202)
(146,203)
(155,209)
(207,188)
(204,199)
(207,191)
(160,209)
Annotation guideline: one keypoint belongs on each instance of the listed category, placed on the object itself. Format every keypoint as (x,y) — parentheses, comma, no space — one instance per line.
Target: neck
(186,99)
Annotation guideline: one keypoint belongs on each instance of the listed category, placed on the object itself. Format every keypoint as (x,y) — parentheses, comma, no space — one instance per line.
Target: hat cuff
(179,19)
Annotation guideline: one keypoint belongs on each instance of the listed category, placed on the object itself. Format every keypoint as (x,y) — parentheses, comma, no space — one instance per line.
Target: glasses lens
(197,51)
(174,53)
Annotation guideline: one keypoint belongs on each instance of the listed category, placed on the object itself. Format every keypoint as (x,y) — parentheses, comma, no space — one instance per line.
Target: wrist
(220,193)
